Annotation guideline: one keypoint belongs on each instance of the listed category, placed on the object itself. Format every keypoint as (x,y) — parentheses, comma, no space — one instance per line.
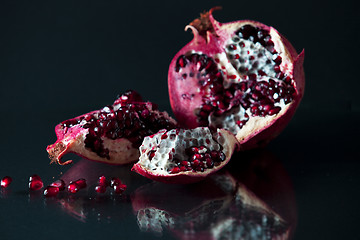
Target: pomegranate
(112,134)
(242,76)
(184,156)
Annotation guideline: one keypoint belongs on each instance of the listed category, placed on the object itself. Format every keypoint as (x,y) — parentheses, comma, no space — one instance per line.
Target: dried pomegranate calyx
(185,155)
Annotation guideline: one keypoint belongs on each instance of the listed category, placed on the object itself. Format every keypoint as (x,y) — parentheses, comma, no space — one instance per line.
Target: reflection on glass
(222,207)
(252,198)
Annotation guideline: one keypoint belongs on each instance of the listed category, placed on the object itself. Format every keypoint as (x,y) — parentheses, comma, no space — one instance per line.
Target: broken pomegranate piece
(185,155)
(112,134)
(241,76)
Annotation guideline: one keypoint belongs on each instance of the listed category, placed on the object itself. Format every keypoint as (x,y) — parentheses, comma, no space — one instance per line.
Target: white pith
(179,140)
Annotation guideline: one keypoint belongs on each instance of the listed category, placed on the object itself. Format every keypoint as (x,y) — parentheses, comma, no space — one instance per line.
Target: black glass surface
(59,59)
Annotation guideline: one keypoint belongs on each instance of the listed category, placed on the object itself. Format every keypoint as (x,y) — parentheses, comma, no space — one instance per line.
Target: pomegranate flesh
(242,76)
(112,134)
(185,156)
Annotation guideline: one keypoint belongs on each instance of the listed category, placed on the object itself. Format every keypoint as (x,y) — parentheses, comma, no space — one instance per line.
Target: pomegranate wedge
(110,135)
(185,156)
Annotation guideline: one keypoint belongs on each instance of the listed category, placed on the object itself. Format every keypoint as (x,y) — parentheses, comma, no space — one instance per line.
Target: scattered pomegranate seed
(51,191)
(59,184)
(35,183)
(81,183)
(73,188)
(102,181)
(5,182)
(118,189)
(100,188)
(115,181)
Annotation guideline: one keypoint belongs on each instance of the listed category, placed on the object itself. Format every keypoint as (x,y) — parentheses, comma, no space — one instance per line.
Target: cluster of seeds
(115,184)
(199,159)
(36,184)
(262,89)
(124,119)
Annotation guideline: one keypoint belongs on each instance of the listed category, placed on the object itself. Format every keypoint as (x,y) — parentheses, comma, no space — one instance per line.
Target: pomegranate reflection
(222,206)
(87,204)
(252,198)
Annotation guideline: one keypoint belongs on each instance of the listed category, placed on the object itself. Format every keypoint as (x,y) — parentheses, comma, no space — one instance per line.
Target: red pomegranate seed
(118,189)
(115,181)
(175,170)
(184,163)
(183,168)
(34,177)
(59,184)
(100,188)
(196,163)
(81,183)
(5,182)
(102,181)
(275,110)
(51,191)
(73,188)
(35,183)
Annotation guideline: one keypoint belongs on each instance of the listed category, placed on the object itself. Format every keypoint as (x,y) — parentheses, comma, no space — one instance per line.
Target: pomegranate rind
(258,131)
(229,144)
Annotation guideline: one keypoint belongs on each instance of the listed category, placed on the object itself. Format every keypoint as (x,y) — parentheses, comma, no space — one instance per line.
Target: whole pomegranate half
(185,155)
(112,134)
(242,76)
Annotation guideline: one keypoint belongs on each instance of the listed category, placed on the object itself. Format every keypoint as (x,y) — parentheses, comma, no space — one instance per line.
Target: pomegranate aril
(35,183)
(195,163)
(174,170)
(73,188)
(102,181)
(6,181)
(196,156)
(100,189)
(51,191)
(59,184)
(275,110)
(119,189)
(185,163)
(115,181)
(81,183)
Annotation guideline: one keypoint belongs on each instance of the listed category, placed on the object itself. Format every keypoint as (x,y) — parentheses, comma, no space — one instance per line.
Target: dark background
(59,59)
